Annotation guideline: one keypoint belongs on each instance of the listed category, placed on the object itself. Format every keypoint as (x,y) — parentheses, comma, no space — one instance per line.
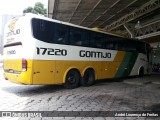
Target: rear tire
(141,72)
(72,79)
(88,78)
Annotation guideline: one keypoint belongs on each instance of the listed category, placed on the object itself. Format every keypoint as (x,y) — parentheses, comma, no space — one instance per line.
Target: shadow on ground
(26,90)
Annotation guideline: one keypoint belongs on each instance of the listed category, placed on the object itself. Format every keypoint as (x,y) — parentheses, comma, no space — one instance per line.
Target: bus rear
(17,62)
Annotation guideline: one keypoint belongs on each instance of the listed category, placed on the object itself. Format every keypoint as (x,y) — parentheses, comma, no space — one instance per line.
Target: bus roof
(31,15)
(70,24)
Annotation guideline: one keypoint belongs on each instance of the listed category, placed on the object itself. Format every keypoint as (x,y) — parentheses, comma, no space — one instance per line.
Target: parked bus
(39,50)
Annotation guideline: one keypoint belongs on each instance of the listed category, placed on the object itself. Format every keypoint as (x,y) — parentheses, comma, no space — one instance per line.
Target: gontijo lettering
(94,54)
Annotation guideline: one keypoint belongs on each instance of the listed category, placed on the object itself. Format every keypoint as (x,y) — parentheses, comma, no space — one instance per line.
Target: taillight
(24,64)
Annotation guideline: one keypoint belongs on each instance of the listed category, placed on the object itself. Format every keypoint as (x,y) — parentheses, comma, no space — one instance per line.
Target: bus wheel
(141,72)
(88,78)
(72,79)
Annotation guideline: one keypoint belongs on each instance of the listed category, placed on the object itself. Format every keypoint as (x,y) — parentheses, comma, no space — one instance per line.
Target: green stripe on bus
(123,65)
(131,62)
(127,64)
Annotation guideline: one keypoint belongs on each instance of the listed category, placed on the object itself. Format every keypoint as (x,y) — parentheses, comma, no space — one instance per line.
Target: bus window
(61,37)
(130,46)
(43,30)
(75,37)
(86,38)
(121,44)
(97,40)
(111,43)
(61,34)
(140,46)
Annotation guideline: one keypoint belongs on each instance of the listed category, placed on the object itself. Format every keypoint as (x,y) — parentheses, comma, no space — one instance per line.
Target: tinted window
(134,46)
(130,46)
(140,46)
(75,36)
(112,43)
(43,30)
(86,38)
(61,34)
(98,40)
(121,44)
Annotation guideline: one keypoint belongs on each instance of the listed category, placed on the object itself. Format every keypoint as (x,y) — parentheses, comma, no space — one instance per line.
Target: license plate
(11,71)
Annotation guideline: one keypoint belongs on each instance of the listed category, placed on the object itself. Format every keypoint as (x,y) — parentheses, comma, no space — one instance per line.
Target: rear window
(43,30)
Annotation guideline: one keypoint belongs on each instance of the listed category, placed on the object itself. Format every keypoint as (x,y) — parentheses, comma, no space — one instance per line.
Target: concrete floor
(130,94)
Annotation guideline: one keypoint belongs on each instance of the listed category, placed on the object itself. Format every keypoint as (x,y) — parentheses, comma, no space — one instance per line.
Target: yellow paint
(13,64)
(118,60)
(62,67)
(119,57)
(54,72)
(22,78)
(107,70)
(112,32)
(43,72)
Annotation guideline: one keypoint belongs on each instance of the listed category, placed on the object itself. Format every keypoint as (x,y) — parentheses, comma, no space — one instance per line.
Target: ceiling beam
(56,2)
(148,30)
(146,8)
(104,12)
(149,35)
(75,10)
(90,11)
(127,6)
(50,8)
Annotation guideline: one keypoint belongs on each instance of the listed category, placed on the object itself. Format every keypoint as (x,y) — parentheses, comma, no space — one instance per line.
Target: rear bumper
(17,78)
(13,71)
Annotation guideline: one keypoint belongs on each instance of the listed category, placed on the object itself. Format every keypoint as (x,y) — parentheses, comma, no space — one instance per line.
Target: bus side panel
(120,62)
(44,72)
(103,69)
(132,62)
(97,66)
(141,61)
(126,65)
(117,63)
(62,67)
(107,70)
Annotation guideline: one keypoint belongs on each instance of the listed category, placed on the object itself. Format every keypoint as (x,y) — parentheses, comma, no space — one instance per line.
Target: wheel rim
(71,78)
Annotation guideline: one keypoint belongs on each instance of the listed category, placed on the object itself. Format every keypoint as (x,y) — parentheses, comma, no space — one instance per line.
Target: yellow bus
(43,51)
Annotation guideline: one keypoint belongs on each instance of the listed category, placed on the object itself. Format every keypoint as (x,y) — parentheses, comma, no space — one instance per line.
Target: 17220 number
(51,51)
